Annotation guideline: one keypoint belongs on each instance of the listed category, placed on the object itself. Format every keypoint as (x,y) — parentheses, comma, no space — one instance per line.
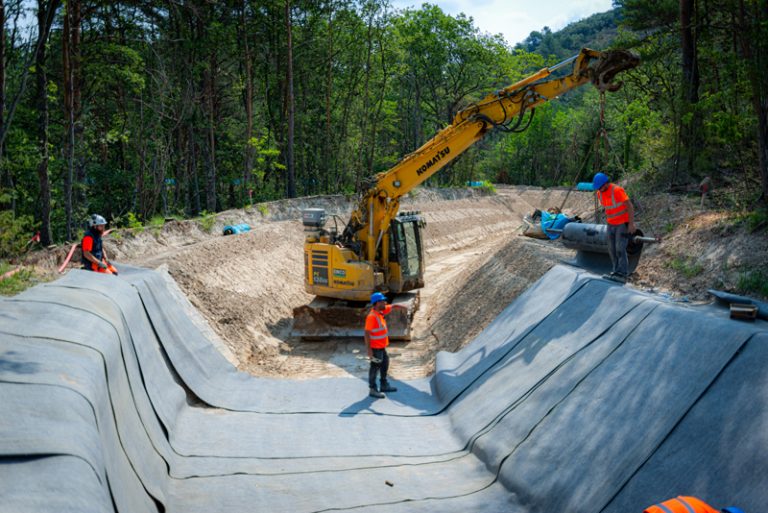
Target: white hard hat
(96,220)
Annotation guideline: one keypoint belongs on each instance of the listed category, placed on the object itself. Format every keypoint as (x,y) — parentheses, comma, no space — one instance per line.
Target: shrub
(14,233)
(133,223)
(755,281)
(207,220)
(20,281)
(755,220)
(488,187)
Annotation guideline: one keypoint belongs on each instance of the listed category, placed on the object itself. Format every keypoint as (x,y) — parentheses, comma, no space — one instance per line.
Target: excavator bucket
(326,318)
(610,64)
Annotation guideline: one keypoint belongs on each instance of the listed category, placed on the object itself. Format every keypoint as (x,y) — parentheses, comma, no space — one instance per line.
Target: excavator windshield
(406,248)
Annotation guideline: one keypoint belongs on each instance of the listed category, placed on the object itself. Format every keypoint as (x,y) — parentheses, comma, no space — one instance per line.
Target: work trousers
(618,239)
(376,368)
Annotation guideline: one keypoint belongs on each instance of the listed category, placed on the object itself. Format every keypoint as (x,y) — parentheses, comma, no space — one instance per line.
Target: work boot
(386,387)
(375,393)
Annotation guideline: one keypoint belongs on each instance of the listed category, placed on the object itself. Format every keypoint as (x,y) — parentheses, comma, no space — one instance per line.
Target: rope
(595,146)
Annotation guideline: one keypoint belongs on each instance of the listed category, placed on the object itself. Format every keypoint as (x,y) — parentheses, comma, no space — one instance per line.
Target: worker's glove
(375,360)
(103,265)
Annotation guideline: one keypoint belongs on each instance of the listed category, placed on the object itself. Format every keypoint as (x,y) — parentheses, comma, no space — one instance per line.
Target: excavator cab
(406,252)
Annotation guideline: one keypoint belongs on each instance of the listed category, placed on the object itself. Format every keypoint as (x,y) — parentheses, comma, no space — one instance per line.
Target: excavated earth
(246,286)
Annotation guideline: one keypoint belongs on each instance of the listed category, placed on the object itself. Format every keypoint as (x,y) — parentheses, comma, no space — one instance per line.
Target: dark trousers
(618,239)
(383,367)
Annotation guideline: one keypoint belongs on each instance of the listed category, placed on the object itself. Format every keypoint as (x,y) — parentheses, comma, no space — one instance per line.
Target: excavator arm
(380,249)
(380,204)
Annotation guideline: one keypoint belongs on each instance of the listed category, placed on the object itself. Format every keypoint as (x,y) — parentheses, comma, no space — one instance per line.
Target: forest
(144,110)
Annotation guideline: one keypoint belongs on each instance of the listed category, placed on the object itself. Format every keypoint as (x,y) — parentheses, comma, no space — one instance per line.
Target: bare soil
(247,285)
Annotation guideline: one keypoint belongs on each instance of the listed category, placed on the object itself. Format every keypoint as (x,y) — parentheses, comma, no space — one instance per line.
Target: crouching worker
(377,340)
(687,505)
(94,254)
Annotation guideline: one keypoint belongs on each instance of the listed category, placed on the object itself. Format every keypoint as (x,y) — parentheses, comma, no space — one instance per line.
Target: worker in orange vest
(620,216)
(376,341)
(94,255)
(687,505)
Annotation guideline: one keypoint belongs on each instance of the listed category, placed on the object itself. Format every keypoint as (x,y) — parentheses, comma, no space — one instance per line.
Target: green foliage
(687,266)
(15,232)
(157,221)
(753,281)
(20,281)
(176,114)
(133,223)
(597,31)
(207,220)
(488,187)
(263,209)
(755,220)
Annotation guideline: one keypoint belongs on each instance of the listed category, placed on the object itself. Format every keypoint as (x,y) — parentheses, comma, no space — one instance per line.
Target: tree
(290,102)
(690,127)
(45,13)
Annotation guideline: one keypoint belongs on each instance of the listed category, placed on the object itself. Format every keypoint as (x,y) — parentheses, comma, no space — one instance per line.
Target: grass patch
(156,222)
(686,266)
(754,221)
(19,282)
(754,281)
(263,209)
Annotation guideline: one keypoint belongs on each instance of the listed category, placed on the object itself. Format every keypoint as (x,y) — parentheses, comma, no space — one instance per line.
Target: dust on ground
(247,285)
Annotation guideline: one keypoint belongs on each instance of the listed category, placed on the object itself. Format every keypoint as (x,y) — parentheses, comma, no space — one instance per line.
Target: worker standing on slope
(94,254)
(620,216)
(377,340)
(687,505)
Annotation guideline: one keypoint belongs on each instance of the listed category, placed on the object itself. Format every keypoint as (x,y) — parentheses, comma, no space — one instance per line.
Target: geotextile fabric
(581,396)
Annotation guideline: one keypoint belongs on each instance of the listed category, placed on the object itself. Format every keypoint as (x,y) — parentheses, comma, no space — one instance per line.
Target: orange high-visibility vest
(611,199)
(681,505)
(376,327)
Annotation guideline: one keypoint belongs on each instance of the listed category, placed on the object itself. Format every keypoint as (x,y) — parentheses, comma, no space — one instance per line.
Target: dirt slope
(246,286)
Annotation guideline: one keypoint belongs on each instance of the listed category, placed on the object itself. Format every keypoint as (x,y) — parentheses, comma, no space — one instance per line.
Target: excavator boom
(380,248)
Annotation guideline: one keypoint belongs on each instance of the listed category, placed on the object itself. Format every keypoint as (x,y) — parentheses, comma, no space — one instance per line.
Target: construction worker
(687,505)
(377,340)
(620,216)
(94,254)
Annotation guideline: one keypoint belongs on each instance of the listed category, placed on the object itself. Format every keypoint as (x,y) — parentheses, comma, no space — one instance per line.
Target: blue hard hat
(732,509)
(599,180)
(376,297)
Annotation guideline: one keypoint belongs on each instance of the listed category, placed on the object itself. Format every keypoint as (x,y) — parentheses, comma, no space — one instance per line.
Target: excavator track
(326,318)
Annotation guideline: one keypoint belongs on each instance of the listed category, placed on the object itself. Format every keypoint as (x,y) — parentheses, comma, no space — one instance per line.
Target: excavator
(380,248)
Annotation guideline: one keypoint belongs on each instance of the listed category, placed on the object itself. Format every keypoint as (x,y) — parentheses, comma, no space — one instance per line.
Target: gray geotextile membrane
(581,396)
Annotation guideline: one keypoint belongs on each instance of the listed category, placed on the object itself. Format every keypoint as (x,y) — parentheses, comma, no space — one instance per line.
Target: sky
(515,19)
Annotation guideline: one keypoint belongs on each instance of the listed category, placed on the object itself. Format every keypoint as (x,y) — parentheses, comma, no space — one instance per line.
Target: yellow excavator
(380,248)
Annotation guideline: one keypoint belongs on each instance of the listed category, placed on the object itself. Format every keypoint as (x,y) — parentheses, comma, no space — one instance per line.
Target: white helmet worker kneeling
(94,255)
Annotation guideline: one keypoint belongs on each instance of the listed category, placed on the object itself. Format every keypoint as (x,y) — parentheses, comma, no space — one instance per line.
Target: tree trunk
(44,19)
(689,129)
(248,101)
(752,38)
(76,64)
(330,168)
(290,101)
(6,178)
(69,119)
(210,179)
